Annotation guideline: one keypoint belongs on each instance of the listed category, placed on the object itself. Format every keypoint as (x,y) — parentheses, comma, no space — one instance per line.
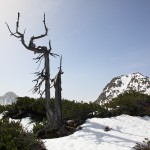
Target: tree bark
(58,106)
(49,113)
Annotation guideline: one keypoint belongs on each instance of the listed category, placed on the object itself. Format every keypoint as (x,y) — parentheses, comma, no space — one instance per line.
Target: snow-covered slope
(8,98)
(125,133)
(120,84)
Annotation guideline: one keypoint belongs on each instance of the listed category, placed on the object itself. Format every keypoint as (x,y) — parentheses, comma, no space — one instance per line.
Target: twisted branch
(31,45)
(41,50)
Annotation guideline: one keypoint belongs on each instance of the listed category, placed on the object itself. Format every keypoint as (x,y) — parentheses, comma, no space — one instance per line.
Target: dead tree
(57,86)
(44,75)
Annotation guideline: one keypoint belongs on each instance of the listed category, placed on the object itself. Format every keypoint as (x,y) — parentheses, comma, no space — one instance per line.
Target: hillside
(124,134)
(118,85)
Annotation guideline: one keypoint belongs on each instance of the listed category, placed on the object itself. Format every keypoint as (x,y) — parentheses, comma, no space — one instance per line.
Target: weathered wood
(58,106)
(54,118)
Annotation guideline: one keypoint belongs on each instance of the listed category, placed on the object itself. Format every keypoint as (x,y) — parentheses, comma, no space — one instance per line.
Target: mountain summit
(118,85)
(8,98)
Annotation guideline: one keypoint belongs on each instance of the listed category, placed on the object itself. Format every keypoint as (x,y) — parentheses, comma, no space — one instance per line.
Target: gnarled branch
(43,35)
(31,45)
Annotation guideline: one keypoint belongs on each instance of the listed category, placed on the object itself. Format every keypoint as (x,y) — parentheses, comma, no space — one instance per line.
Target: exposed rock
(107,128)
(118,85)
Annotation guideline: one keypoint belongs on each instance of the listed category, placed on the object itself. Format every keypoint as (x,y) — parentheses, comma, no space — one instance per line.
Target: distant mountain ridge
(8,98)
(136,82)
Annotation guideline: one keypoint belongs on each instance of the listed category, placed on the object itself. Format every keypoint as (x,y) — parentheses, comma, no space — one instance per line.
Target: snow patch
(125,133)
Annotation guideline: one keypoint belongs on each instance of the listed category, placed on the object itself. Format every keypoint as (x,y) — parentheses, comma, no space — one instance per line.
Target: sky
(98,40)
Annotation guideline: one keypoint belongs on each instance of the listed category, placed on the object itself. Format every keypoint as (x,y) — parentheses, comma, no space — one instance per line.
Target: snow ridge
(118,85)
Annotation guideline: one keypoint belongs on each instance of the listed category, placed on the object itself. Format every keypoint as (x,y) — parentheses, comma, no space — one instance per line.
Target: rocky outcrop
(118,85)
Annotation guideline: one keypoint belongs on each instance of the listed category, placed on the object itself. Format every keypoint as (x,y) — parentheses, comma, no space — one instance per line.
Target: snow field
(125,133)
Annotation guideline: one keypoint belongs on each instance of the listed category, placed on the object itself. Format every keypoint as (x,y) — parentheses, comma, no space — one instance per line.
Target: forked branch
(43,52)
(43,35)
(31,45)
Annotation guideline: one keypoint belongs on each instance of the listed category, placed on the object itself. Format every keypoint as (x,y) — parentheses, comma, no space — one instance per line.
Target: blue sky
(98,39)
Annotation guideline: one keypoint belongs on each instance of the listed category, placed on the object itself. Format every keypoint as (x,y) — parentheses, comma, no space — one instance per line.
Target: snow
(1,115)
(125,132)
(120,84)
(125,79)
(26,123)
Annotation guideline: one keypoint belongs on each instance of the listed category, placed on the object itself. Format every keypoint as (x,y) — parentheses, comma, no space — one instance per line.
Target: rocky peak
(118,85)
(8,98)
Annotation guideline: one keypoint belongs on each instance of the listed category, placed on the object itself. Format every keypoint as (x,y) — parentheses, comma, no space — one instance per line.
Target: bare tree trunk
(58,106)
(49,113)
(54,118)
